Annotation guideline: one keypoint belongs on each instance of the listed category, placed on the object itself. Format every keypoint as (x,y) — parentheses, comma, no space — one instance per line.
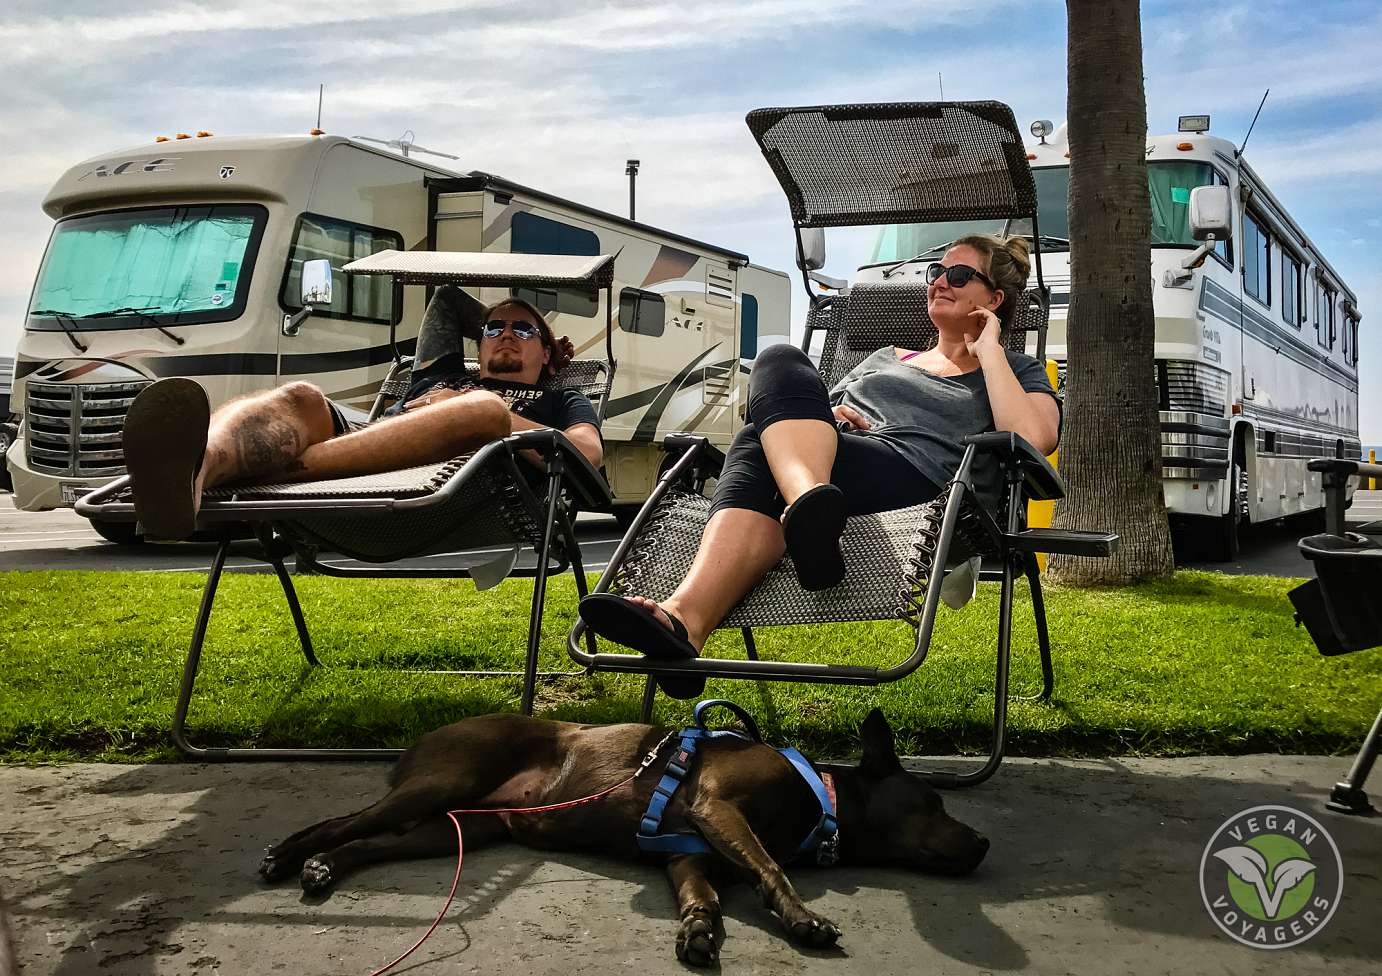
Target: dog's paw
(272,869)
(316,875)
(696,941)
(814,931)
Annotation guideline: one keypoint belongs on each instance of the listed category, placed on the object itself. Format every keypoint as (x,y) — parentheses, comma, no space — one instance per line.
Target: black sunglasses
(957,275)
(494,328)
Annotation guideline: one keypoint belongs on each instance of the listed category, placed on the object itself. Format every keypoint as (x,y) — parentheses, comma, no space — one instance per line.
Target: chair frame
(565,472)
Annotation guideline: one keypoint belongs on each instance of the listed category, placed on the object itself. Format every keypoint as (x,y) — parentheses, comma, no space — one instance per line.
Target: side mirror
(811,248)
(1211,213)
(1211,221)
(316,282)
(316,290)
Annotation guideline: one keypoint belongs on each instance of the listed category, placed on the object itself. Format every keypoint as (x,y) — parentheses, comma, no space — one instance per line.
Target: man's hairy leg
(264,434)
(425,435)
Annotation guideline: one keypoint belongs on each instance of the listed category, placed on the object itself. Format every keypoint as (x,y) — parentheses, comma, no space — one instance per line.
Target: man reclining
(176,449)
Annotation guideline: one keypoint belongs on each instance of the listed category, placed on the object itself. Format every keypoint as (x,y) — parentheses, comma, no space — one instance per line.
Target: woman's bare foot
(695,634)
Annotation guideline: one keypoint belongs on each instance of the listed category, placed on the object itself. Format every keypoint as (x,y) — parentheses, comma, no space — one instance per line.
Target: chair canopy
(897,162)
(485,270)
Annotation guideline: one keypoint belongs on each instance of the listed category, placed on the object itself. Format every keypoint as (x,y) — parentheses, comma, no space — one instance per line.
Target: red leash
(460,844)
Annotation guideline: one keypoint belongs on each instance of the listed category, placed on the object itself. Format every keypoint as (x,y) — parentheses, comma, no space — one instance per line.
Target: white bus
(1256,349)
(183,258)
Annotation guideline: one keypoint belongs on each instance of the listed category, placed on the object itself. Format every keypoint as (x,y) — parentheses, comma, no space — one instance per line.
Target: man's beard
(505,362)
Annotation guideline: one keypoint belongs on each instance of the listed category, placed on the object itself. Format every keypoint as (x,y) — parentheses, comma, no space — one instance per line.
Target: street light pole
(631,170)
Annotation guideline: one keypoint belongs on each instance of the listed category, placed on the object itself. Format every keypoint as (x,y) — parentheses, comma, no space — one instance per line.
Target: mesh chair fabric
(906,162)
(874,315)
(888,560)
(486,510)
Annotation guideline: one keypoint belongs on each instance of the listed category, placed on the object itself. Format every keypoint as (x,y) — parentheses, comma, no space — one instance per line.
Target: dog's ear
(880,755)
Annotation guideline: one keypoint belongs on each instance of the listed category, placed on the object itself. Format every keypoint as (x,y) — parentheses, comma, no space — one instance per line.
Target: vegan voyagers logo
(1271,877)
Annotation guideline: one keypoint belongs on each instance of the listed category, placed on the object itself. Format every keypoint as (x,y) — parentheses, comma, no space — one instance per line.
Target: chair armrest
(678,444)
(1041,480)
(590,487)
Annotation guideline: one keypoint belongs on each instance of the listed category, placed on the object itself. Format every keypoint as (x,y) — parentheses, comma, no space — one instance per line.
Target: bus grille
(1184,386)
(76,430)
(1192,387)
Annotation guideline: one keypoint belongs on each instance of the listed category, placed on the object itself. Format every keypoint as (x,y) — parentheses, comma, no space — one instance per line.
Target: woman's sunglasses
(958,275)
(494,328)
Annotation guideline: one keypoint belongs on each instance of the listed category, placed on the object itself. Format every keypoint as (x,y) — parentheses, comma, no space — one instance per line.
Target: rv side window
(1330,300)
(365,298)
(1291,298)
(532,234)
(1257,264)
(748,327)
(1320,312)
(642,312)
(1347,347)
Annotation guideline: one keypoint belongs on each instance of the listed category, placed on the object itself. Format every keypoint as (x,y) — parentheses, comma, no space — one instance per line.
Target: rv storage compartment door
(459,221)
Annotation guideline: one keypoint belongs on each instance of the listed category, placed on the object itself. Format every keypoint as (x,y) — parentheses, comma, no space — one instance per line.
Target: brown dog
(744,798)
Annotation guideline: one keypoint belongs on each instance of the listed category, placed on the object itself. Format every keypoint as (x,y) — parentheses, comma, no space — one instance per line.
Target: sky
(557,95)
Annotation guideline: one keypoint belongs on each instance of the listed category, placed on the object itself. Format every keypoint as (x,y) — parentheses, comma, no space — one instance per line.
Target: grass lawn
(90,664)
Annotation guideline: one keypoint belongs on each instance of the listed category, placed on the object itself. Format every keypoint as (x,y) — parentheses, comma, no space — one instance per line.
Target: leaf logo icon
(1251,867)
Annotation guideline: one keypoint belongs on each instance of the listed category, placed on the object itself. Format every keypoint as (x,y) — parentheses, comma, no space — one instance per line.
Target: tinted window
(642,312)
(748,327)
(532,234)
(1257,265)
(366,298)
(1291,300)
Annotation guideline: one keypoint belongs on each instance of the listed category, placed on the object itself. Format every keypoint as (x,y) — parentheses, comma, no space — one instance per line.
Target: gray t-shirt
(925,417)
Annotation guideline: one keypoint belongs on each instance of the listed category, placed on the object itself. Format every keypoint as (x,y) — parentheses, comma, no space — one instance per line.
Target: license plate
(71,491)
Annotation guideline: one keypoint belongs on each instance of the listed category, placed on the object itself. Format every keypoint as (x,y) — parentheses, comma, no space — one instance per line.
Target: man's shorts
(345,419)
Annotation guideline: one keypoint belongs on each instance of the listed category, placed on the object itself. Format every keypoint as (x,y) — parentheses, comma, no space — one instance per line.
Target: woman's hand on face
(853,417)
(987,342)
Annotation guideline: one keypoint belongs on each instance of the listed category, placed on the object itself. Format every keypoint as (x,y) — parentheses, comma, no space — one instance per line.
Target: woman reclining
(889,435)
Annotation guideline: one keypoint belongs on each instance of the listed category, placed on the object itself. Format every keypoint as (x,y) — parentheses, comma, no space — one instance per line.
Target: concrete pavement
(141,870)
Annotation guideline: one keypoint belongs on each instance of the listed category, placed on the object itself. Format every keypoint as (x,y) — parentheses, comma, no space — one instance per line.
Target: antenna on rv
(321,89)
(941,82)
(405,145)
(1254,121)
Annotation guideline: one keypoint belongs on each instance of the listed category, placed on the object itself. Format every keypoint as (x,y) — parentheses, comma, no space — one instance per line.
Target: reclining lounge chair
(479,502)
(854,165)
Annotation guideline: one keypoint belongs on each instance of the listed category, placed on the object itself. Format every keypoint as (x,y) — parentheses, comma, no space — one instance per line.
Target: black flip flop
(625,622)
(813,526)
(164,440)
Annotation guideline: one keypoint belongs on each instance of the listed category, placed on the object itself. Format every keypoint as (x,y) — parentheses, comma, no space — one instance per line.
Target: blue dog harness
(823,841)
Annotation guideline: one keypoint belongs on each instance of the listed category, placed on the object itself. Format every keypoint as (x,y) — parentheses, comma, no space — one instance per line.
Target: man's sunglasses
(958,275)
(494,328)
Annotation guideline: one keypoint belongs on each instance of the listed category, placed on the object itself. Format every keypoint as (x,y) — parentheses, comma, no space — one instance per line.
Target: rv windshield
(1170,184)
(157,266)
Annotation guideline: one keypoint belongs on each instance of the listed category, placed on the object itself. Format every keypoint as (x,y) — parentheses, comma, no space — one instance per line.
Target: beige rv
(184,258)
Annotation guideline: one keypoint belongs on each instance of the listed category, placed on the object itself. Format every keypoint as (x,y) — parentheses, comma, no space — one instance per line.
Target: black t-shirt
(555,408)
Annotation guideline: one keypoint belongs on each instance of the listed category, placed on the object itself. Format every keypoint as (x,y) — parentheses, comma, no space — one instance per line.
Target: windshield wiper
(892,270)
(69,327)
(142,312)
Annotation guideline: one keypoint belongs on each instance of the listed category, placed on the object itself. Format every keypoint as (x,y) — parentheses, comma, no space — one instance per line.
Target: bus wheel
(120,533)
(1227,539)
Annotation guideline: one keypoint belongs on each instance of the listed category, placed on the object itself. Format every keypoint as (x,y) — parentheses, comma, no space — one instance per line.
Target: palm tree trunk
(1111,446)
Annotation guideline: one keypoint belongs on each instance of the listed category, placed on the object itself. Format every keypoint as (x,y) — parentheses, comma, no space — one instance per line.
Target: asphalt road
(1095,868)
(63,540)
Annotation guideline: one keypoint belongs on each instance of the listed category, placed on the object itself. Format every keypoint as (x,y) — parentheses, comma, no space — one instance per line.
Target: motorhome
(184,258)
(1256,347)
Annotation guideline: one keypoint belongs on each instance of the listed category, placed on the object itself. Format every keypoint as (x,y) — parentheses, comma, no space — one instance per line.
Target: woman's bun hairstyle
(1009,262)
